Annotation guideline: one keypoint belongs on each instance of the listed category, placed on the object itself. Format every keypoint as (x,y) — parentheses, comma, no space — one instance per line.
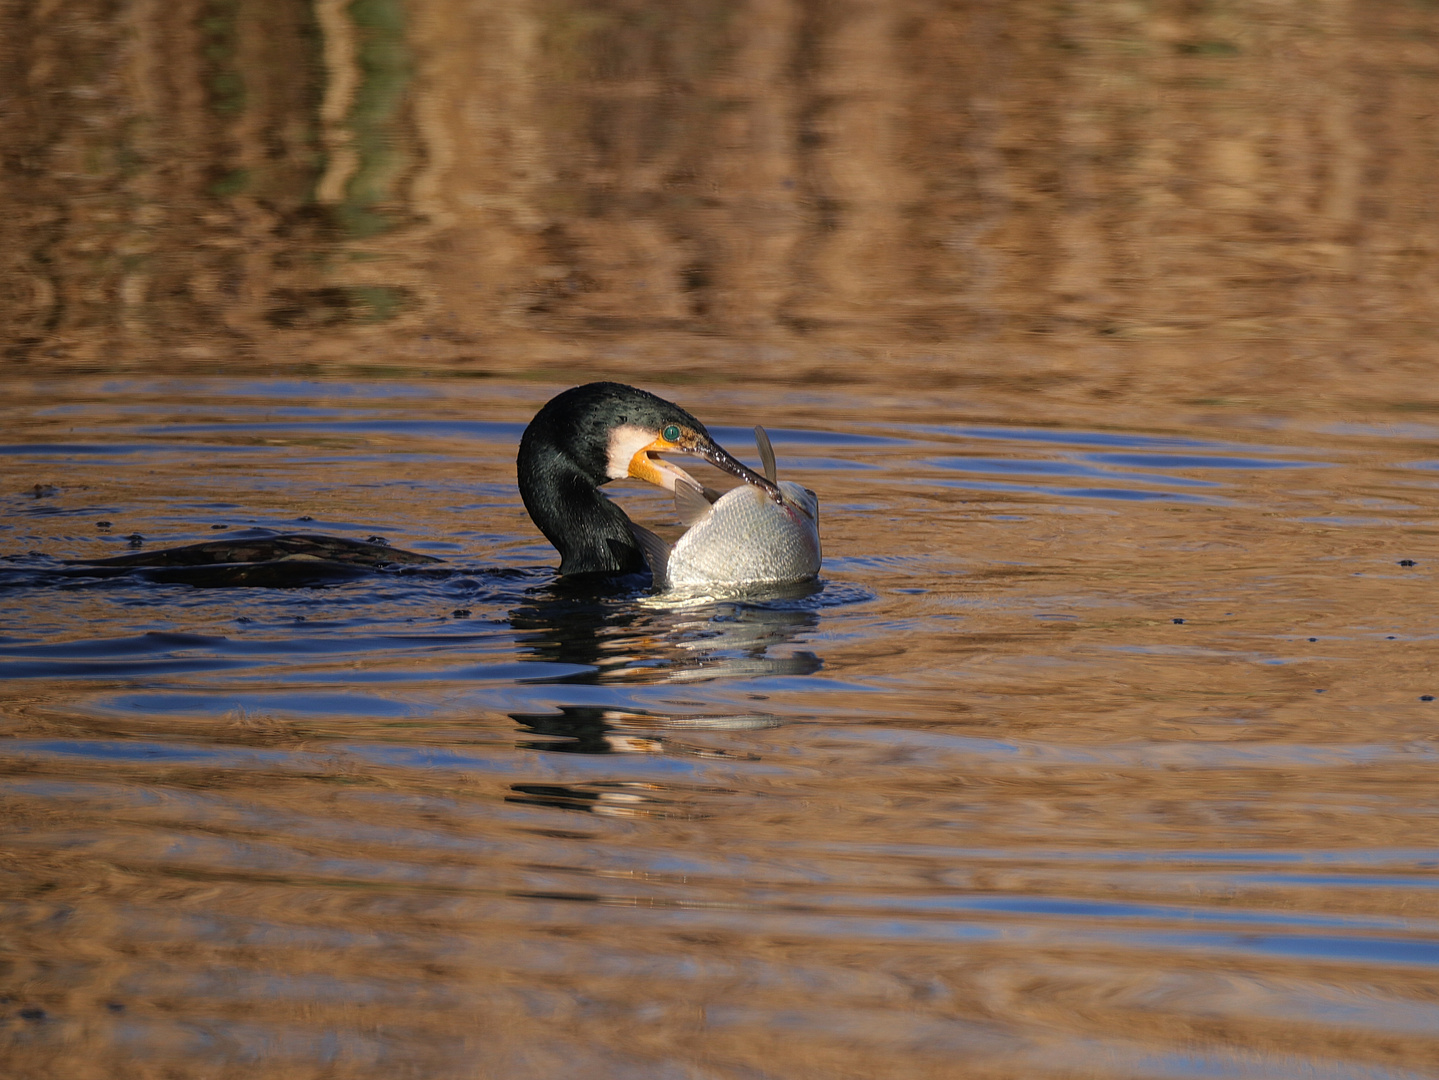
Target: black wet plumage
(564,460)
(264,560)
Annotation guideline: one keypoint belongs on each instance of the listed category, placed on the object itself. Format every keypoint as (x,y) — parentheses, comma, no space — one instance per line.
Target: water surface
(1104,747)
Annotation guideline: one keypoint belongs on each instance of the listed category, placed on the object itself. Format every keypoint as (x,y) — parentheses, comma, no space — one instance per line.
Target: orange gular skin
(646,464)
(655,470)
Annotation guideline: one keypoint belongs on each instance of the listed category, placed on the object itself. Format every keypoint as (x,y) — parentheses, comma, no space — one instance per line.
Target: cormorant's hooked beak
(721,459)
(646,464)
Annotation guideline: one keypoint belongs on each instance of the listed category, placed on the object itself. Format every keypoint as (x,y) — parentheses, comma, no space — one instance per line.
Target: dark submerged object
(265,561)
(582,438)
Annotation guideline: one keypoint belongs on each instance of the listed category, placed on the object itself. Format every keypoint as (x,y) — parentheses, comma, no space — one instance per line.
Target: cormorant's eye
(671,434)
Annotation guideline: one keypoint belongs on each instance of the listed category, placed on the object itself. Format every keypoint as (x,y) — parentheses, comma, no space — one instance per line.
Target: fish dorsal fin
(691,501)
(655,551)
(766,454)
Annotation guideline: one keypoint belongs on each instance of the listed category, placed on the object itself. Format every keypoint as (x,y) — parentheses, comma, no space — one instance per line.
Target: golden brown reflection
(1172,197)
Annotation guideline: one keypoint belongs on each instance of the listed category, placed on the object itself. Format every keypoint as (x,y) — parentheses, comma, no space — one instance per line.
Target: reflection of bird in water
(613,642)
(582,439)
(597,729)
(624,644)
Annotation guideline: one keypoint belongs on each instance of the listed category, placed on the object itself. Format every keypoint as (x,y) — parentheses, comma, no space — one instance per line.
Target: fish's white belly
(747,537)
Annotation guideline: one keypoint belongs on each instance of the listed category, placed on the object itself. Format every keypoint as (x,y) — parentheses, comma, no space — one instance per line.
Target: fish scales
(744,537)
(748,537)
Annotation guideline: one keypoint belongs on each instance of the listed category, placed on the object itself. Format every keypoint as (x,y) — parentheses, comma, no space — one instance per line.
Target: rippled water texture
(1175,197)
(1099,751)
(1104,748)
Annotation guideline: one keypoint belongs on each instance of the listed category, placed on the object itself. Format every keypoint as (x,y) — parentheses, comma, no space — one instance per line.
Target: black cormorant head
(590,435)
(610,431)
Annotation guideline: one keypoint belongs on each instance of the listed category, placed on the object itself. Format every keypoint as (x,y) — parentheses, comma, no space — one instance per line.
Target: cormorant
(582,439)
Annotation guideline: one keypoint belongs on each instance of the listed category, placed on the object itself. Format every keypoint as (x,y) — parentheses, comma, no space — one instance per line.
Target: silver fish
(744,538)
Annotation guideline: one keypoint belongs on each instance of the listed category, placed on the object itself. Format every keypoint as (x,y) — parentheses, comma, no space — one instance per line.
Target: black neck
(591,533)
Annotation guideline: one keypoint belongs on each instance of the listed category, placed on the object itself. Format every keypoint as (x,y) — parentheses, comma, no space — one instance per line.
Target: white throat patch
(626,441)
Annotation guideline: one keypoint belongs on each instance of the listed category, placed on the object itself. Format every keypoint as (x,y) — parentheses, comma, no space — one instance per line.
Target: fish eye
(671,433)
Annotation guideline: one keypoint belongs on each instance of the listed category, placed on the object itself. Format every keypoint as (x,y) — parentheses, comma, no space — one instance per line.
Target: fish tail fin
(766,454)
(656,553)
